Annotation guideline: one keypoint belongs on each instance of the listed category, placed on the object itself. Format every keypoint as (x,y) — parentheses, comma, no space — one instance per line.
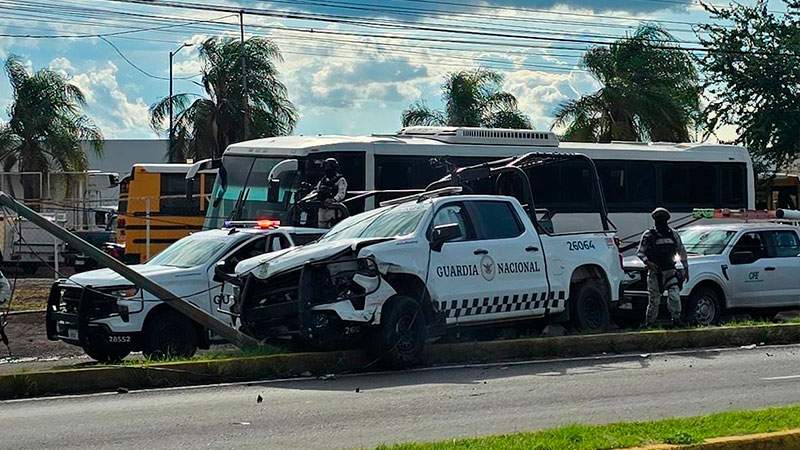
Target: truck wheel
(101,351)
(589,307)
(402,334)
(168,334)
(704,307)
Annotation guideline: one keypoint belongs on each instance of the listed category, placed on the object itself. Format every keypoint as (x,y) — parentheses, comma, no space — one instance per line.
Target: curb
(781,440)
(110,378)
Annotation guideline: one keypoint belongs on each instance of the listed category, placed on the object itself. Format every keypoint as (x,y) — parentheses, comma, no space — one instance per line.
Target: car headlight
(123,292)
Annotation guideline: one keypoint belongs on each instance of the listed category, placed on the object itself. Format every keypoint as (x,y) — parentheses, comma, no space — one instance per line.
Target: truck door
(454,277)
(753,279)
(513,262)
(783,248)
(219,293)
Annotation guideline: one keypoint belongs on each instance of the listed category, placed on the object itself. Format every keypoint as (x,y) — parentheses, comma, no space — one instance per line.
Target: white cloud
(540,93)
(116,113)
(63,66)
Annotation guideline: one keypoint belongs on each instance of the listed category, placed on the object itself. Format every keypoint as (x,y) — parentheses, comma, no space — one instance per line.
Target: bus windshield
(241,190)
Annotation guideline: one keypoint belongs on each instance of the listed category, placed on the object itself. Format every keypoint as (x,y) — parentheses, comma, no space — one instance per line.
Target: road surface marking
(787,377)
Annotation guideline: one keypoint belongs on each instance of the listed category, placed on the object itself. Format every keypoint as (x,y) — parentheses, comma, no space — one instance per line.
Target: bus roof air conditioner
(483,136)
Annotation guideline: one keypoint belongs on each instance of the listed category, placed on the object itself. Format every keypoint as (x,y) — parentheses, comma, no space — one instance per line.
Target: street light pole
(171,56)
(244,79)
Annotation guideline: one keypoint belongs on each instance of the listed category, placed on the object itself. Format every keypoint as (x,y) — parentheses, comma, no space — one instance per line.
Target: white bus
(636,177)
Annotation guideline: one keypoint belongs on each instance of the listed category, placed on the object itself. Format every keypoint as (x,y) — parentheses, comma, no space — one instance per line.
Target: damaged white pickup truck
(397,276)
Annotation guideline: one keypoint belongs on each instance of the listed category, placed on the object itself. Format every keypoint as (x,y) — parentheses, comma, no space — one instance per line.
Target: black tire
(402,333)
(590,312)
(100,350)
(703,308)
(168,334)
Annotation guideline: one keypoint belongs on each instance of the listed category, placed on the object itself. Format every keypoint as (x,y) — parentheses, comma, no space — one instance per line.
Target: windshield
(391,221)
(190,251)
(241,186)
(703,241)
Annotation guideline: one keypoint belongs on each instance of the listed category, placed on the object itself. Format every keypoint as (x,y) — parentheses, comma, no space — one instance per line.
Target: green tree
(650,92)
(204,127)
(752,71)
(472,98)
(46,125)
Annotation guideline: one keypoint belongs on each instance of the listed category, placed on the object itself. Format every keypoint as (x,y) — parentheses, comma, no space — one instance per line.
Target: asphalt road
(416,405)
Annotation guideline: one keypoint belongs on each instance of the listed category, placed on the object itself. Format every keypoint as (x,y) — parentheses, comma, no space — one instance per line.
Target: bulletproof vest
(327,187)
(662,249)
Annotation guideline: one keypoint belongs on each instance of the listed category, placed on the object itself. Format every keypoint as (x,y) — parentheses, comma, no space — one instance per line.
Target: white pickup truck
(399,275)
(733,267)
(109,317)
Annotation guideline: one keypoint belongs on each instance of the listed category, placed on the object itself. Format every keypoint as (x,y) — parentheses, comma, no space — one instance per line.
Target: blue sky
(340,84)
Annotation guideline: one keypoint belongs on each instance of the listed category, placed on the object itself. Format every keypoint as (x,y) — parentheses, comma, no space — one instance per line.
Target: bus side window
(733,182)
(173,196)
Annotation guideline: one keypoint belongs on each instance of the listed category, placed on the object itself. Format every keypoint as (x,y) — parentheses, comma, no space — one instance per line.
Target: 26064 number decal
(575,246)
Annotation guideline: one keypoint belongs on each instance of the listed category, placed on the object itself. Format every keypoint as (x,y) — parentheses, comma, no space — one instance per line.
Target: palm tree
(203,128)
(472,99)
(46,125)
(651,92)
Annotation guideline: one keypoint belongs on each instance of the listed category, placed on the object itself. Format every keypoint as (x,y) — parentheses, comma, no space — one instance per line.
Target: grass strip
(634,434)
(213,355)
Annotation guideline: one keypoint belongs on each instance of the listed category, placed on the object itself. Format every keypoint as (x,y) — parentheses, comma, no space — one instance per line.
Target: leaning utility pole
(245,97)
(183,306)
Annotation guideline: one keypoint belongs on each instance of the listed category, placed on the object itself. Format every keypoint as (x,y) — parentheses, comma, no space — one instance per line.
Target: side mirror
(222,271)
(273,190)
(444,233)
(742,257)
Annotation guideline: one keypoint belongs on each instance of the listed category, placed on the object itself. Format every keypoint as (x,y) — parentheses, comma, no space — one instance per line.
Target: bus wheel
(589,307)
(168,334)
(402,333)
(101,351)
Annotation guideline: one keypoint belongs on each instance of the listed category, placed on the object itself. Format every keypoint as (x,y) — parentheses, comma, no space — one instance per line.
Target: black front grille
(86,302)
(270,307)
(640,284)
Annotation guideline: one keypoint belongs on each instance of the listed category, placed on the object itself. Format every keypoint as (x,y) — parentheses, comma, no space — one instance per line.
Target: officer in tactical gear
(332,188)
(657,249)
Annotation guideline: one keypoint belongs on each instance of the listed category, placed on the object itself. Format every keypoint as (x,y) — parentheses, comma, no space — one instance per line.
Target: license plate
(119,339)
(72,333)
(79,262)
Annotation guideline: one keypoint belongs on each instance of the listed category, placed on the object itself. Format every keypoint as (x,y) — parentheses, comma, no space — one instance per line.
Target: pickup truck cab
(735,267)
(106,315)
(399,275)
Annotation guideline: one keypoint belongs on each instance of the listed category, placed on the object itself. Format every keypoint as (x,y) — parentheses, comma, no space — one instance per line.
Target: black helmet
(331,164)
(660,212)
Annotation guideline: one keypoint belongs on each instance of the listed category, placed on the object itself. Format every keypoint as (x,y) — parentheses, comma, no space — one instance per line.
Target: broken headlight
(348,279)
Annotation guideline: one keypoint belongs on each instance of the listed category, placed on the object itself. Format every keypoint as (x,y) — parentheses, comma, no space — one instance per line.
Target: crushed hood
(265,265)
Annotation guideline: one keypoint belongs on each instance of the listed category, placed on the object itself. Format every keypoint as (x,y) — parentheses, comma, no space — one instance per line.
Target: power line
(434,29)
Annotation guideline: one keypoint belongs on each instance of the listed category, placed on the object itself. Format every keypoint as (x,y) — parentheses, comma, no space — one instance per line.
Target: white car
(733,267)
(109,317)
(400,274)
